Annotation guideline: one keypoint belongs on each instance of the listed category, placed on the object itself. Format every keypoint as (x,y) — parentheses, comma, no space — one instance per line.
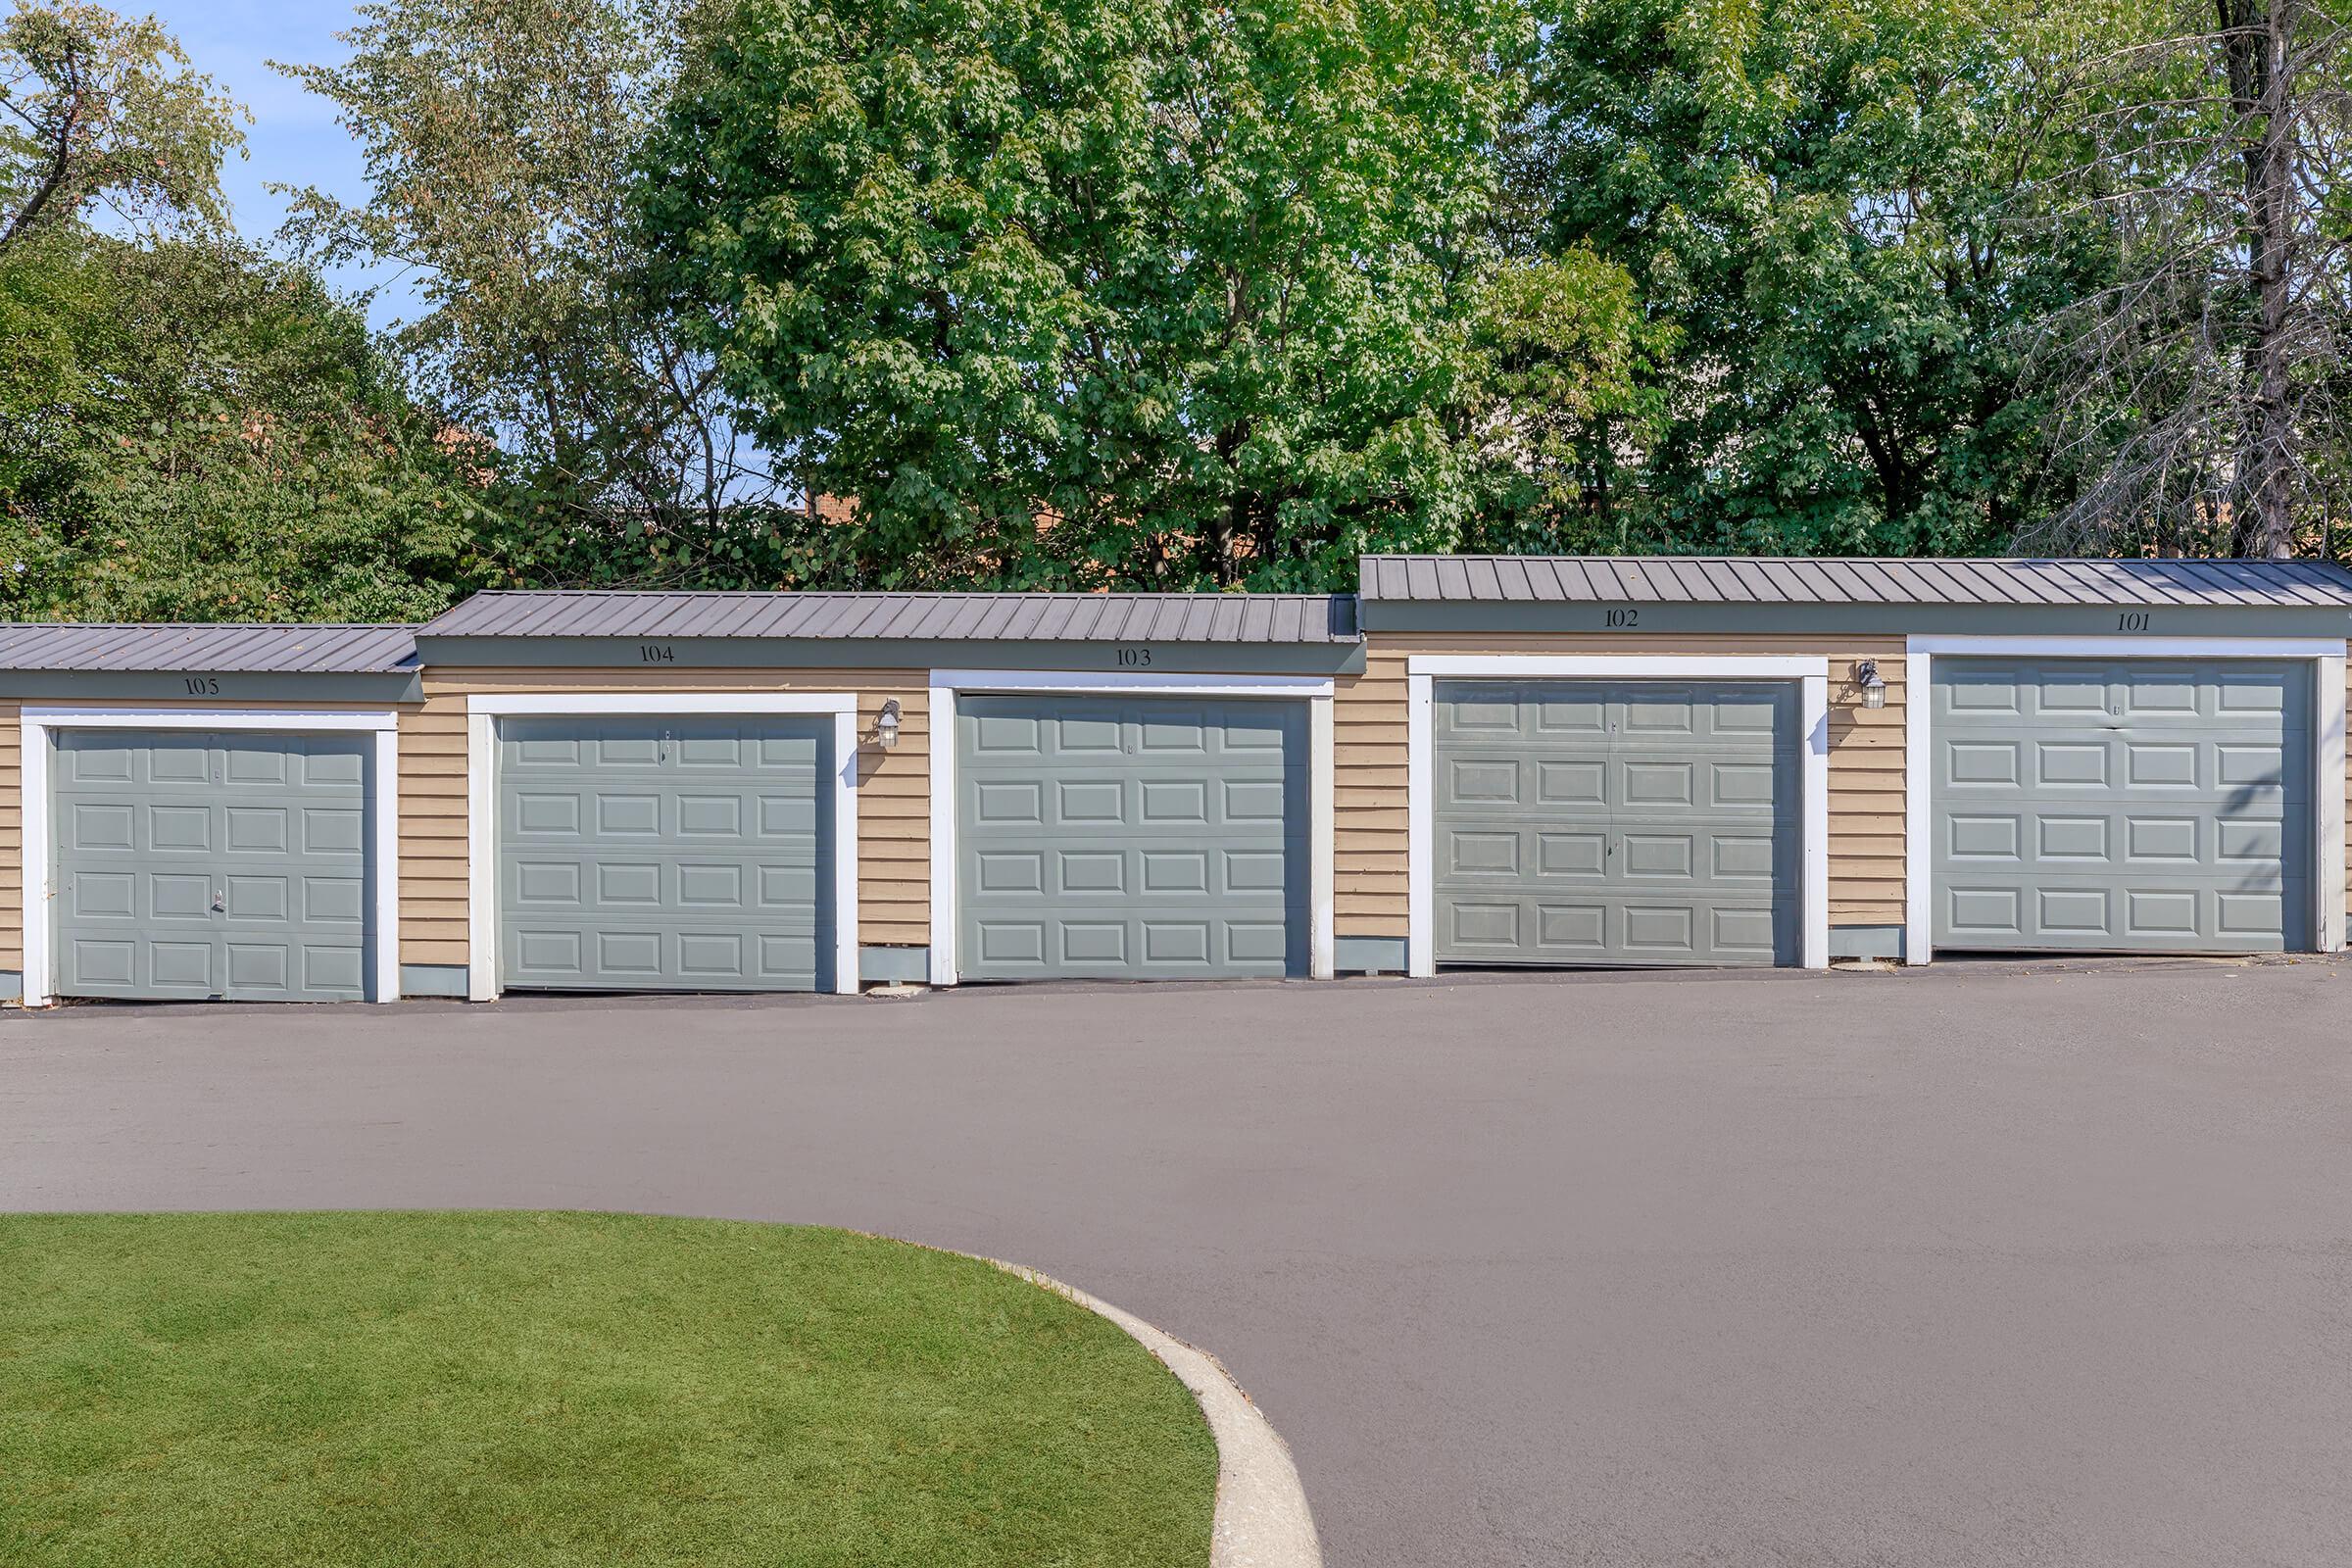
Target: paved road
(1959,1266)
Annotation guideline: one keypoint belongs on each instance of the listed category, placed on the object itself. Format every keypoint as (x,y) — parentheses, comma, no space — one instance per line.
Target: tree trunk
(2274,506)
(2259,38)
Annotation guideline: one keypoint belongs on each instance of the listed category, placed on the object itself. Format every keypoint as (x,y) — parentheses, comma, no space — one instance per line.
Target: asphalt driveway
(1958,1266)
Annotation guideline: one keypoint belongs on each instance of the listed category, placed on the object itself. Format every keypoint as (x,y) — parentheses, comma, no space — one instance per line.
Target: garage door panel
(332,969)
(113,895)
(1181,801)
(2256,769)
(641,750)
(261,965)
(182,967)
(331,899)
(185,829)
(785,956)
(1254,802)
(1002,945)
(1616,822)
(1762,859)
(1577,785)
(255,898)
(537,950)
(710,816)
(1618,928)
(1495,781)
(2157,806)
(91,760)
(1732,786)
(1496,852)
(109,826)
(650,853)
(2253,913)
(199,865)
(1129,836)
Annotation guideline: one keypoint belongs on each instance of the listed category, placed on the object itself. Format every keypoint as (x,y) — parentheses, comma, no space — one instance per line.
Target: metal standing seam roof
(945,617)
(1806,580)
(245,646)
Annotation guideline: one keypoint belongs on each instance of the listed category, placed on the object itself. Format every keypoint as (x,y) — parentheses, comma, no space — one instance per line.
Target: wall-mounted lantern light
(1874,689)
(886,725)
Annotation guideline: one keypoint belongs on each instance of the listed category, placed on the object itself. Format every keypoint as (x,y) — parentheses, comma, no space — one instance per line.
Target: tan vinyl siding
(12,838)
(432,831)
(894,792)
(1866,765)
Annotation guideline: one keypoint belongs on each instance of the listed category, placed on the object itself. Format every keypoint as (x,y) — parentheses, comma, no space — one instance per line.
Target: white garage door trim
(2326,656)
(482,714)
(1423,670)
(1313,690)
(40,724)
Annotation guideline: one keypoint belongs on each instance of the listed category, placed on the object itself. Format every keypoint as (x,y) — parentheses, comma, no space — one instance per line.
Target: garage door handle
(220,899)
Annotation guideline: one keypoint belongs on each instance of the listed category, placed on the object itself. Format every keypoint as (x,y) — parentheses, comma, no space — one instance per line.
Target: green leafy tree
(1822,203)
(1083,293)
(500,139)
(95,108)
(1567,364)
(192,432)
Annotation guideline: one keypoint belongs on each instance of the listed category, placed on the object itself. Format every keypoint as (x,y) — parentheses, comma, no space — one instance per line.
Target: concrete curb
(1261,1517)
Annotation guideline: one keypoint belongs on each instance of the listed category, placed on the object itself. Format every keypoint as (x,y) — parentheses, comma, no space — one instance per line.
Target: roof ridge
(212,625)
(860,593)
(2247,561)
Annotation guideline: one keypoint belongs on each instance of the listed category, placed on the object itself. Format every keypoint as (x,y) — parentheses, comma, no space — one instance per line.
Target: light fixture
(1874,689)
(886,725)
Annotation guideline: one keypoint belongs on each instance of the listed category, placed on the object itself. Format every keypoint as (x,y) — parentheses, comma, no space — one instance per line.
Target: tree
(2208,380)
(1093,293)
(189,431)
(1566,369)
(501,137)
(98,108)
(1815,200)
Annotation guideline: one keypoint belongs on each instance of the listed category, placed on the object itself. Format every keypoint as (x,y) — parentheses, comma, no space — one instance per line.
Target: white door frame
(1810,672)
(482,714)
(41,721)
(2326,656)
(1313,690)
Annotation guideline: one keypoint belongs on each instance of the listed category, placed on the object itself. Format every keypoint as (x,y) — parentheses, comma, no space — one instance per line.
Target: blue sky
(293,138)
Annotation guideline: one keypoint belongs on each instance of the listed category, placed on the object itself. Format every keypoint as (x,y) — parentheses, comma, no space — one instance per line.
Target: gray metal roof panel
(1485,582)
(258,648)
(1696,582)
(1702,579)
(1725,581)
(980,616)
(1849,583)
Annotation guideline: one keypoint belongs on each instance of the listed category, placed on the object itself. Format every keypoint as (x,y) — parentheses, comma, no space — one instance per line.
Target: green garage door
(666,854)
(231,866)
(2122,805)
(1617,822)
(1130,838)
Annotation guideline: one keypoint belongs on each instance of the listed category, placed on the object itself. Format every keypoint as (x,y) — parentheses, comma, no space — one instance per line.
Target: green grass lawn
(251,1390)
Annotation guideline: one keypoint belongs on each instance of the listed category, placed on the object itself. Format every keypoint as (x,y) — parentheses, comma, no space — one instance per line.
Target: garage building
(1705,761)
(752,791)
(202,812)
(1525,761)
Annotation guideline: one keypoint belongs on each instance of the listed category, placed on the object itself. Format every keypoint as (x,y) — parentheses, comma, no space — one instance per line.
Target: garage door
(2145,806)
(1152,838)
(666,854)
(230,866)
(1643,822)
